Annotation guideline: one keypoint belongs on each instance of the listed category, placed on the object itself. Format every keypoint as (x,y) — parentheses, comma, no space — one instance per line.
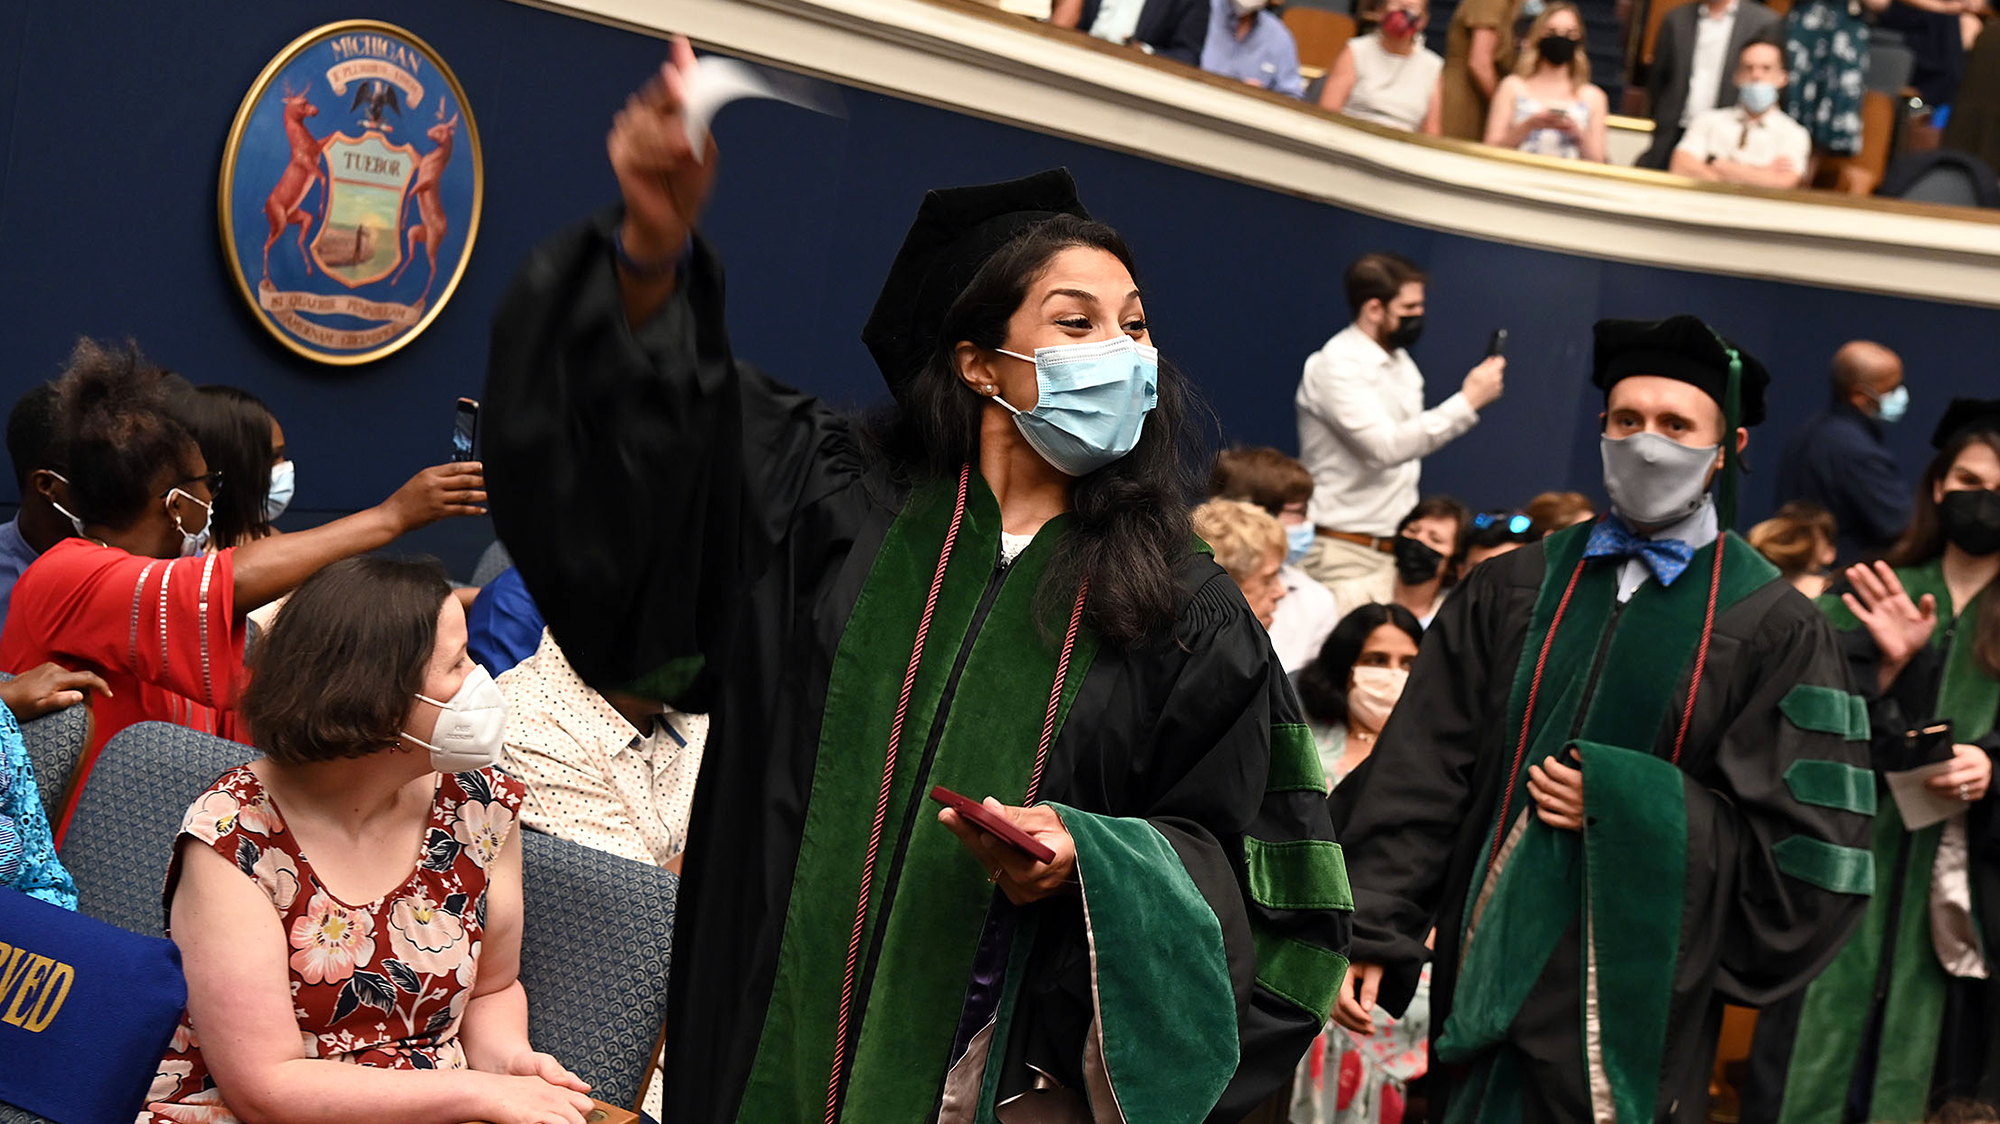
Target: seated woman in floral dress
(376,788)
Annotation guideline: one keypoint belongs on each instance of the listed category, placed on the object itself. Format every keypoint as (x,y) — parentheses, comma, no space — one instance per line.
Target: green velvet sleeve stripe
(1304,975)
(1843,870)
(1300,874)
(1826,710)
(1832,784)
(1295,763)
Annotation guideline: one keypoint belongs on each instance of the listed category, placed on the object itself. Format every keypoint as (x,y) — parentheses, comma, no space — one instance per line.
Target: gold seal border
(224,193)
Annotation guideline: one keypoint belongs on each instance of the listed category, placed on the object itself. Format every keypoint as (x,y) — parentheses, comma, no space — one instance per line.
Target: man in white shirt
(1751,142)
(1690,72)
(1363,429)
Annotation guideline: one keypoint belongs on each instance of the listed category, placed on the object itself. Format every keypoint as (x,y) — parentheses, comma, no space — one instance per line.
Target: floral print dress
(1826,50)
(383,984)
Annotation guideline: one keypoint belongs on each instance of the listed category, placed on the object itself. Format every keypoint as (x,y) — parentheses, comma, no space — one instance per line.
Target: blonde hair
(1530,57)
(1243,536)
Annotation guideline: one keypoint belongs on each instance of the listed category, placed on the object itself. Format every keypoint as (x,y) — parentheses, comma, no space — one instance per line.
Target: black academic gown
(1419,817)
(696,531)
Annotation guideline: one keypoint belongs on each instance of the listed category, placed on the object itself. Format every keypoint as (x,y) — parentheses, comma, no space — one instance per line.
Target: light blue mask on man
(1892,406)
(1091,401)
(1298,540)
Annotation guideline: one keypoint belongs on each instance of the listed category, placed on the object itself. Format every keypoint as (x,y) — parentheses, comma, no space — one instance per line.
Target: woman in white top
(1388,76)
(1548,105)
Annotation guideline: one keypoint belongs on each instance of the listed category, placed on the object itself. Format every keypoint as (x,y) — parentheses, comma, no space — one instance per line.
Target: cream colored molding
(980,61)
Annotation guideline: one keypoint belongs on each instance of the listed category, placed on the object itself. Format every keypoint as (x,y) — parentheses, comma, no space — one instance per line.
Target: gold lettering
(11,973)
(31,978)
(52,999)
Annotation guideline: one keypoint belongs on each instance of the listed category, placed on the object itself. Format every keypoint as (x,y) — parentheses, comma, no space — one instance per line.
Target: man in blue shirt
(503,627)
(31,435)
(1246,42)
(1841,460)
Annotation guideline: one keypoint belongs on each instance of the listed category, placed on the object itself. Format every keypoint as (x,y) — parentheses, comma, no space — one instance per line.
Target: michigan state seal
(350,191)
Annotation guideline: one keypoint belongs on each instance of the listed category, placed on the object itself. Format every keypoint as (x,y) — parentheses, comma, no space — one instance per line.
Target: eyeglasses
(1517,524)
(213,480)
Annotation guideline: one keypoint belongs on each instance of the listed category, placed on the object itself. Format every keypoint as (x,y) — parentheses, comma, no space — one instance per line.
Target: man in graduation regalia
(870,611)
(1626,782)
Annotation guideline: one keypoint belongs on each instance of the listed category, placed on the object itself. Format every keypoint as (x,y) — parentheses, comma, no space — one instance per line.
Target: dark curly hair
(1131,517)
(1323,682)
(116,431)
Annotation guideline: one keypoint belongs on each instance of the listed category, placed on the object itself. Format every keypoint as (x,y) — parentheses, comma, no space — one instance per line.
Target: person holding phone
(994,589)
(1922,634)
(1548,106)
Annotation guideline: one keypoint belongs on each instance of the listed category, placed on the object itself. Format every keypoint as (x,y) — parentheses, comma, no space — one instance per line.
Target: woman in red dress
(348,907)
(132,598)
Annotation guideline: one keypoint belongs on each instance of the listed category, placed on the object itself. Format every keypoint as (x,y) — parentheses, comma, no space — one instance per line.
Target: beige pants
(1329,561)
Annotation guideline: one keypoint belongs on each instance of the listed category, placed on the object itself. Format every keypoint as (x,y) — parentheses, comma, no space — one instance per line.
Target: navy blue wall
(113,116)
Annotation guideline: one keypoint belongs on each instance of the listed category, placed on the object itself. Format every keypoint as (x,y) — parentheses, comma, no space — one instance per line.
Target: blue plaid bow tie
(1667,558)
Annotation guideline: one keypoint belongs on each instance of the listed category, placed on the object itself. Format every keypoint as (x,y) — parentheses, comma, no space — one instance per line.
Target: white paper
(718,81)
(1919,805)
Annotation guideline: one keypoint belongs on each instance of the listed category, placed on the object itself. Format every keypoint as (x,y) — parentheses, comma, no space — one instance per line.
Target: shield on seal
(359,240)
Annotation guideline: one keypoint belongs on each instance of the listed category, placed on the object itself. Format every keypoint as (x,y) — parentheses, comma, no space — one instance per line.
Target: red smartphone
(985,820)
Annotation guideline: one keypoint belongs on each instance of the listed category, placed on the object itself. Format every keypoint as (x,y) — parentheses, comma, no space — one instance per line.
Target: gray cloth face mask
(1655,480)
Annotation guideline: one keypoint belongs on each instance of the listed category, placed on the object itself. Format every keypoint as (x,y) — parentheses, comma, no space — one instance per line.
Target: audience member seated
(1250,545)
(612,771)
(240,439)
(1552,511)
(304,1008)
(1841,460)
(1479,50)
(39,523)
(28,860)
(1751,142)
(1282,487)
(1363,429)
(1388,76)
(506,626)
(1348,693)
(1248,42)
(129,599)
(1799,541)
(1429,556)
(1495,533)
(1171,29)
(1691,71)
(1548,106)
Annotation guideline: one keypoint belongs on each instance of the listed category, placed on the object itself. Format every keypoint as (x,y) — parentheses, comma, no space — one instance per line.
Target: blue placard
(350,194)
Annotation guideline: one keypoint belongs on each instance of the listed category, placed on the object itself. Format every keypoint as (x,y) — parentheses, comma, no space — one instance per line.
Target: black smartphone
(465,430)
(1497,346)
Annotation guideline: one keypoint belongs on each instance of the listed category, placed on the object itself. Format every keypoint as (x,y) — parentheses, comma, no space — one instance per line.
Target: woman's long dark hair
(1323,682)
(1131,517)
(1924,540)
(233,429)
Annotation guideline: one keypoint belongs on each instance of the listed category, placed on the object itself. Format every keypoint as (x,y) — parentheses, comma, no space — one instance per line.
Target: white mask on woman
(471,726)
(1373,693)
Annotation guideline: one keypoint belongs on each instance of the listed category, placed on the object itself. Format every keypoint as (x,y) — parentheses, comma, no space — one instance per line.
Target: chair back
(493,561)
(1321,35)
(596,941)
(55,744)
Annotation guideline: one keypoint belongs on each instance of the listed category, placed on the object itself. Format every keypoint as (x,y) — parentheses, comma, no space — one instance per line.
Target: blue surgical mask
(192,542)
(1892,406)
(1298,540)
(1757,96)
(284,479)
(67,514)
(1091,401)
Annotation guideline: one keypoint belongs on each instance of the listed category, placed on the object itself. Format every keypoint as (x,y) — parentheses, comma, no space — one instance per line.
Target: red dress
(383,984)
(162,632)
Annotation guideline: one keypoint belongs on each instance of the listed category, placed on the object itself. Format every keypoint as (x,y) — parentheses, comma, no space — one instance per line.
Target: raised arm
(1341,395)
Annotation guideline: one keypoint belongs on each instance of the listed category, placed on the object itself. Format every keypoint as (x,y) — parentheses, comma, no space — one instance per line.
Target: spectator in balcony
(1935,33)
(1974,127)
(1171,29)
(1751,142)
(1690,73)
(1479,50)
(1826,44)
(1548,106)
(1388,76)
(1363,429)
(1248,42)
(1841,459)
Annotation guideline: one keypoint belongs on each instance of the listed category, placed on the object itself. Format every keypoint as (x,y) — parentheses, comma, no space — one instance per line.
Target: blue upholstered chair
(55,744)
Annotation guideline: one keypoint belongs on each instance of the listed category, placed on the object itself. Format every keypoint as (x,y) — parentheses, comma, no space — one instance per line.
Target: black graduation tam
(1964,414)
(1679,347)
(957,229)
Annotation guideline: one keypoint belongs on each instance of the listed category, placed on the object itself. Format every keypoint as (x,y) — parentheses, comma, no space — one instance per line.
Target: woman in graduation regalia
(1904,1017)
(994,589)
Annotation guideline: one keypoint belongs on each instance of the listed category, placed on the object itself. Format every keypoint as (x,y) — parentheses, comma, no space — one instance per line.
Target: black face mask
(1416,561)
(1971,520)
(1408,331)
(1556,50)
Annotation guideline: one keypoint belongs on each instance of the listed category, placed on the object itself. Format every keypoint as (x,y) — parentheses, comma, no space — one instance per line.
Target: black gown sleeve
(643,478)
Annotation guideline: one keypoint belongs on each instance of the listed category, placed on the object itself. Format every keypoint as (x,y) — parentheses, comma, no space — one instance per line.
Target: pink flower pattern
(383,984)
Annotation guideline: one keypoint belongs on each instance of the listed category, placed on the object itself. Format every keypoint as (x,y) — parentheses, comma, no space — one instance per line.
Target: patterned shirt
(592,776)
